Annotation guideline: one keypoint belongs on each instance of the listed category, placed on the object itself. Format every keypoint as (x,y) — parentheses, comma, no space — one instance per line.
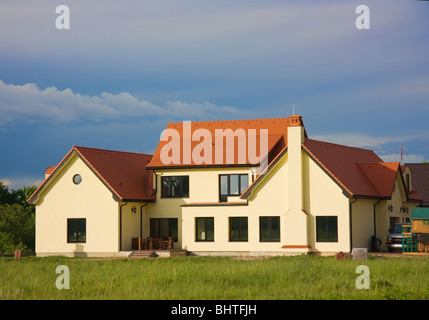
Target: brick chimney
(49,171)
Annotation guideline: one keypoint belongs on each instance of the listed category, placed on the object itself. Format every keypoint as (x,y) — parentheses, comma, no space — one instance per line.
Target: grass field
(192,278)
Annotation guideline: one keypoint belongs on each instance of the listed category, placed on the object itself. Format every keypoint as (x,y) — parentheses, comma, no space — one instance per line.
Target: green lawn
(189,278)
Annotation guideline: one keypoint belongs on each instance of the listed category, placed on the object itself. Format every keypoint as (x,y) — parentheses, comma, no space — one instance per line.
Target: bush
(8,245)
(16,229)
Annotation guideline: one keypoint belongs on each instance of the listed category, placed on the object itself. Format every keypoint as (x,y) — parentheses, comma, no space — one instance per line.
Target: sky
(124,69)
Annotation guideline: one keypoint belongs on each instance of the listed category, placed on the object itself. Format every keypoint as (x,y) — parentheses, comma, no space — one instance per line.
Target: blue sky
(125,69)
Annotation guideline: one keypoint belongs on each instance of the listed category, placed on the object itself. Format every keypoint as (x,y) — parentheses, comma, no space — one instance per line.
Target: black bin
(375,243)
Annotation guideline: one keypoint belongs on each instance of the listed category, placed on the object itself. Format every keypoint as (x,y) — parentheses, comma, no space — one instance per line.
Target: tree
(19,196)
(6,197)
(17,229)
(17,220)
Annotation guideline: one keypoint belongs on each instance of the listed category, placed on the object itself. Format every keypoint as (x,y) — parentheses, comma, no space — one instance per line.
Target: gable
(261,179)
(61,187)
(340,162)
(359,172)
(124,174)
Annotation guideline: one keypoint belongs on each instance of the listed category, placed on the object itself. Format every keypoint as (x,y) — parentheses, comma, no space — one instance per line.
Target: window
(77,179)
(204,229)
(175,187)
(232,185)
(76,230)
(269,229)
(327,229)
(164,228)
(238,229)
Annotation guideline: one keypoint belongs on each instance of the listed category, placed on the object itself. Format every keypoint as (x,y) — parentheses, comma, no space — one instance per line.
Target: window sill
(214,204)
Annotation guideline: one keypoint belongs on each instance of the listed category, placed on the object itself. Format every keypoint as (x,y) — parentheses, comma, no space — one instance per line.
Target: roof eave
(35,196)
(246,194)
(205,166)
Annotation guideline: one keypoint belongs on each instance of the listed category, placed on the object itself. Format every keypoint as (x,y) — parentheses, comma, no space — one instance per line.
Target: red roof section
(420,180)
(124,173)
(277,140)
(382,175)
(360,172)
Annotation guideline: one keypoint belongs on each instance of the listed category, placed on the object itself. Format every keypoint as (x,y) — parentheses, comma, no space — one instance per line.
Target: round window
(77,179)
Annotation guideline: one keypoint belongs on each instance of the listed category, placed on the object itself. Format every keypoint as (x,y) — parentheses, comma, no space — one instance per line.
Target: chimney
(295,218)
(49,171)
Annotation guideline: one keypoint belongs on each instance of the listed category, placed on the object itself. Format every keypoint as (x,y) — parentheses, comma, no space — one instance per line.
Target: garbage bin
(375,243)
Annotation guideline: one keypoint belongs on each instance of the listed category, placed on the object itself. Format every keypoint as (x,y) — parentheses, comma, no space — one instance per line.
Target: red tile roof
(382,175)
(341,163)
(359,172)
(277,140)
(123,173)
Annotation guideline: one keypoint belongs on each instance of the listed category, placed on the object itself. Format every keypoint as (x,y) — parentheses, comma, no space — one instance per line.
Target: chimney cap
(295,121)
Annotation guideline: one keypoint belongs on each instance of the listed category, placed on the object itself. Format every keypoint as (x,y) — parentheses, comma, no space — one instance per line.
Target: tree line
(17,220)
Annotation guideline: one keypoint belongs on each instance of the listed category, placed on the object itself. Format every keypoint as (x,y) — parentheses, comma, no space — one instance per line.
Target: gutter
(141,215)
(350,217)
(375,204)
(120,225)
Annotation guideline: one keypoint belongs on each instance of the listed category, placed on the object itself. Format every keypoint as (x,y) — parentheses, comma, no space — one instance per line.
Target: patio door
(164,228)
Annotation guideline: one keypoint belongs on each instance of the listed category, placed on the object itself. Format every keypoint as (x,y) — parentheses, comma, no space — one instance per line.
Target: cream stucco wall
(203,188)
(62,199)
(133,215)
(323,197)
(268,199)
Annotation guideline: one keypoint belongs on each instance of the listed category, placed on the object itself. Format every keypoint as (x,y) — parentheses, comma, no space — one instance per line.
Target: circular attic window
(77,179)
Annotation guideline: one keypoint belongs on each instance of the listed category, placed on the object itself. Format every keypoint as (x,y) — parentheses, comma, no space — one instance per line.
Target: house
(237,187)
(420,173)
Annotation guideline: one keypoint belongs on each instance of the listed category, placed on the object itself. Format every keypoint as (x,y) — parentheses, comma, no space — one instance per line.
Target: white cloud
(30,103)
(6,182)
(14,183)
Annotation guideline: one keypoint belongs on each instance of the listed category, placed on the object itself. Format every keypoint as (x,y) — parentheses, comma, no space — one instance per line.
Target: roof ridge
(113,151)
(342,146)
(416,163)
(384,164)
(236,120)
(367,177)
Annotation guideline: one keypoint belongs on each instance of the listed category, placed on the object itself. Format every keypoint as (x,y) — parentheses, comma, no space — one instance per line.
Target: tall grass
(189,278)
